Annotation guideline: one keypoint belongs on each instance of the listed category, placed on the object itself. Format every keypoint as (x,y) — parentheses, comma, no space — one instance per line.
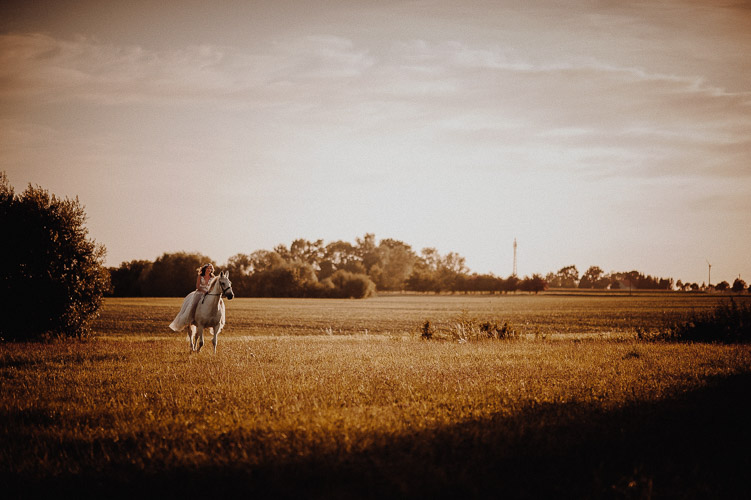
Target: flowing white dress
(188,309)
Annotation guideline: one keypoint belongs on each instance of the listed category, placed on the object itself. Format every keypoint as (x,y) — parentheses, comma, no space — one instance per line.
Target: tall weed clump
(728,323)
(465,328)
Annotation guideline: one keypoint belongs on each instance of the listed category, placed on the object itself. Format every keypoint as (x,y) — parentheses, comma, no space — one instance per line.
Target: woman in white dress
(188,310)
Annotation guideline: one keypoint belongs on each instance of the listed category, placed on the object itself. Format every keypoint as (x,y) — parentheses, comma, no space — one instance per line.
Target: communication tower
(514,273)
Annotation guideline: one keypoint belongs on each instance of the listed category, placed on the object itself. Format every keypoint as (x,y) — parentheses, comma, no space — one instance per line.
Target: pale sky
(607,133)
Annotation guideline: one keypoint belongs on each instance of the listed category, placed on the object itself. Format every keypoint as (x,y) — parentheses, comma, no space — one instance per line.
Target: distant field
(373,411)
(545,314)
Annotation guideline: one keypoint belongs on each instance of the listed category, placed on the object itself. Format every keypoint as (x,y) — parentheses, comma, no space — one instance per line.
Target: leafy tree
(367,251)
(430,259)
(262,260)
(594,277)
(450,268)
(240,267)
(396,260)
(534,284)
(722,286)
(566,277)
(350,285)
(128,279)
(512,284)
(422,279)
(339,255)
(53,279)
(284,279)
(738,285)
(173,274)
(307,251)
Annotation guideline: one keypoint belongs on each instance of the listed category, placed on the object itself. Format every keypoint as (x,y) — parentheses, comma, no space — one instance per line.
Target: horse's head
(226,285)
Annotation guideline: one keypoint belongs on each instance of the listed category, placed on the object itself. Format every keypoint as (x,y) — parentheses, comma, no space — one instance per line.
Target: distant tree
(665,284)
(450,268)
(722,286)
(128,279)
(240,267)
(262,260)
(423,279)
(590,276)
(738,285)
(486,283)
(284,279)
(339,255)
(568,277)
(52,279)
(430,258)
(396,260)
(553,280)
(349,285)
(534,284)
(367,251)
(173,274)
(307,251)
(512,283)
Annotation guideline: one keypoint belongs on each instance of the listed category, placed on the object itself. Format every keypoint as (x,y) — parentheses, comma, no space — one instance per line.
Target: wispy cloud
(42,67)
(485,97)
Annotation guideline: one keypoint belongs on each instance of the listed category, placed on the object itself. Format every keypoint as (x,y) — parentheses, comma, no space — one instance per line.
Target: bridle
(224,291)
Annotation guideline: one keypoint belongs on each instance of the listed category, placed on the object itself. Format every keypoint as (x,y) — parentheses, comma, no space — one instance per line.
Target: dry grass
(370,415)
(547,314)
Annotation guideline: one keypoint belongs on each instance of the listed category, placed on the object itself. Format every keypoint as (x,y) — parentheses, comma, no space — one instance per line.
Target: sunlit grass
(269,399)
(402,314)
(366,398)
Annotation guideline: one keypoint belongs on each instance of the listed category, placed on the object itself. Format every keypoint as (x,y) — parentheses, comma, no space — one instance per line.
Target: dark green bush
(52,278)
(728,323)
(426,331)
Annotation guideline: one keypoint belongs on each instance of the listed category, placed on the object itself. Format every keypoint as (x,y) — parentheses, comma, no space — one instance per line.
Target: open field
(546,314)
(383,414)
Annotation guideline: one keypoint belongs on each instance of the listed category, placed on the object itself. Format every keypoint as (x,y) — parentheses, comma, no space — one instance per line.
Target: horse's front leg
(214,340)
(199,340)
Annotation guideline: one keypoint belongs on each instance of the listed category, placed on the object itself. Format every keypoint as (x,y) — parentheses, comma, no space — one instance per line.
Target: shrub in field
(426,332)
(351,285)
(53,278)
(728,323)
(495,331)
(465,328)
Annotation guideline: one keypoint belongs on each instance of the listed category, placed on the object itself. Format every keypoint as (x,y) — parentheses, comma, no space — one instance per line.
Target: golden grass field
(342,399)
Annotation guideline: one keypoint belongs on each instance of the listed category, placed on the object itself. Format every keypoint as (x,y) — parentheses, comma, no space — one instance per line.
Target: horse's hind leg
(191,336)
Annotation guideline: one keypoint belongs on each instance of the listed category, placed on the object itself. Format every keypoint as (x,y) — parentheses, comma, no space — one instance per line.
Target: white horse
(210,311)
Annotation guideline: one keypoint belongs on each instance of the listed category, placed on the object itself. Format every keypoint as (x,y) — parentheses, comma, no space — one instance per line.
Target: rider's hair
(203,268)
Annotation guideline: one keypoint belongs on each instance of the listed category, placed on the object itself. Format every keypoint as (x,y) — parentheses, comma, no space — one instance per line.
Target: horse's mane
(213,280)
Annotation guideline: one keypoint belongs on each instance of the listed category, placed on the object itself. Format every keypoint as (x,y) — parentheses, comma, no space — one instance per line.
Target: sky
(608,133)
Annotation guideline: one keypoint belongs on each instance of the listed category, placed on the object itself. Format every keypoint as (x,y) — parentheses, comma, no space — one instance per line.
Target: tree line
(595,278)
(343,269)
(52,259)
(314,269)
